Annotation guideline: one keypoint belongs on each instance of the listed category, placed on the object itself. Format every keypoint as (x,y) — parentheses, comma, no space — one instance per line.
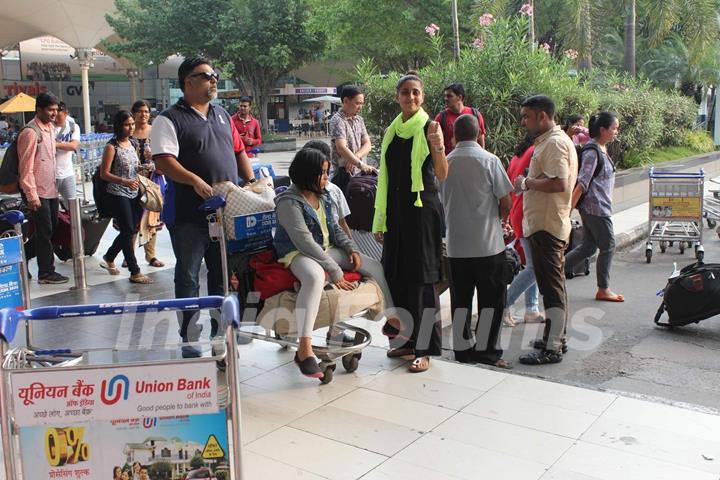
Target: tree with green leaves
(256,42)
(391,33)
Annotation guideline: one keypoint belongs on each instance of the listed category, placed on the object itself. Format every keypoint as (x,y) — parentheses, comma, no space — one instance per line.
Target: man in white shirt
(476,196)
(67,138)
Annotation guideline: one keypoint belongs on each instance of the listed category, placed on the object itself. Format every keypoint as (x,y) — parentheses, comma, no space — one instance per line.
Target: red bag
(272,277)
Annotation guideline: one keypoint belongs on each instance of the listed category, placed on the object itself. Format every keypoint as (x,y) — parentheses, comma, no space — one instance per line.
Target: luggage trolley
(349,351)
(676,211)
(711,208)
(110,407)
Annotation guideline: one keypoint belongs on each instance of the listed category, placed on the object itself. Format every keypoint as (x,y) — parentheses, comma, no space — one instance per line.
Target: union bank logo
(149,422)
(118,387)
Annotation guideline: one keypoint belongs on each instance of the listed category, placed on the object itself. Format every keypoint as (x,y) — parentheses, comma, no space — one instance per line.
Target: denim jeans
(126,212)
(525,283)
(45,218)
(599,234)
(191,244)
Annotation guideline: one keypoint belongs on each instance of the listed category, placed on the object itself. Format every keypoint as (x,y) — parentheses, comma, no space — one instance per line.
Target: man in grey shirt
(476,196)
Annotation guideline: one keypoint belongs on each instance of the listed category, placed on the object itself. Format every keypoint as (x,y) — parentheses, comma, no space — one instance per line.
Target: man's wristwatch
(523,185)
(440,148)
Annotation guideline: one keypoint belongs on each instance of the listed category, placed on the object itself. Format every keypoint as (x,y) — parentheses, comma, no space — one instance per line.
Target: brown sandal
(419,365)
(141,279)
(154,262)
(400,352)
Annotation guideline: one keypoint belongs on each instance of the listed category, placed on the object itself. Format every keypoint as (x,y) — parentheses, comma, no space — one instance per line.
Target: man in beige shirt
(546,220)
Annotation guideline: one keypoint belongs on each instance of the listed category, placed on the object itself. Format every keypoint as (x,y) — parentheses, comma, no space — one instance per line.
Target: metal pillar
(78,251)
(456,31)
(2,73)
(133,75)
(84,56)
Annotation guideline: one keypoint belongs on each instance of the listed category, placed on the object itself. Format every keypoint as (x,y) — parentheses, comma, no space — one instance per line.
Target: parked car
(202,473)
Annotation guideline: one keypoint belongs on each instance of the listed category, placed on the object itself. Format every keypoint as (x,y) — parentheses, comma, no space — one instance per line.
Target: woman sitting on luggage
(120,169)
(310,242)
(595,206)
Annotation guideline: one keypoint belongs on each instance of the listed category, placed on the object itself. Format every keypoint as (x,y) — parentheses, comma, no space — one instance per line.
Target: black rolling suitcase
(576,237)
(93,229)
(691,296)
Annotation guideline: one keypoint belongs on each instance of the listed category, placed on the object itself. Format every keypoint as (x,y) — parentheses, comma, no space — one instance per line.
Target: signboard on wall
(49,59)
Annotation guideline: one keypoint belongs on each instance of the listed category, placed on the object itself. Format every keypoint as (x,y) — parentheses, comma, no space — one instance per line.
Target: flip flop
(112,270)
(419,365)
(616,298)
(141,279)
(154,262)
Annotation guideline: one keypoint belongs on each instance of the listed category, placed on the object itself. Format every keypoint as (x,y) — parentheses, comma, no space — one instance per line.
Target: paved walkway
(452,422)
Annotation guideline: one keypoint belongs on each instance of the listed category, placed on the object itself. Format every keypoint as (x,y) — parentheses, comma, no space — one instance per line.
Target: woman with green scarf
(408,221)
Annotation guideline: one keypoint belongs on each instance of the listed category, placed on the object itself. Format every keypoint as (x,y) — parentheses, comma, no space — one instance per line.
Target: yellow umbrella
(19,103)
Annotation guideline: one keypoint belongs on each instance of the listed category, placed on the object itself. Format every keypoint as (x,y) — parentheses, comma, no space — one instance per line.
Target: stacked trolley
(82,417)
(253,234)
(676,212)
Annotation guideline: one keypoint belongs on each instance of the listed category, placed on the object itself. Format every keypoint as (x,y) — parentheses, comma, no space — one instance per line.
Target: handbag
(513,263)
(255,198)
(151,198)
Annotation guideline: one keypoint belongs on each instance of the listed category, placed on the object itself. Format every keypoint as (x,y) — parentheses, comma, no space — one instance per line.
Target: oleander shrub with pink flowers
(499,70)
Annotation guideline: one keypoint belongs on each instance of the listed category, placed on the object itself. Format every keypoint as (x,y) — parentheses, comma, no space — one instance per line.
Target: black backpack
(598,165)
(360,193)
(9,169)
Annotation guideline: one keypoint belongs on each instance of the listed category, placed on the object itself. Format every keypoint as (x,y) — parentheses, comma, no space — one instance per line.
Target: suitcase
(691,295)
(93,230)
(360,194)
(576,238)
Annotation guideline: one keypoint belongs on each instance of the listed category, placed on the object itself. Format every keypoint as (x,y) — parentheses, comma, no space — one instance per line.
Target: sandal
(533,318)
(110,267)
(154,262)
(400,352)
(309,367)
(504,364)
(142,279)
(508,320)
(616,297)
(419,365)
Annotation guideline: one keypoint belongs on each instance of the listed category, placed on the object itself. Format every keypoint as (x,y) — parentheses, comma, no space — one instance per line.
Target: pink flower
(432,29)
(486,19)
(478,43)
(545,46)
(527,9)
(571,54)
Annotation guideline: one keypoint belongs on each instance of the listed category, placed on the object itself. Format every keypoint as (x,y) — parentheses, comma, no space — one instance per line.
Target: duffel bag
(691,296)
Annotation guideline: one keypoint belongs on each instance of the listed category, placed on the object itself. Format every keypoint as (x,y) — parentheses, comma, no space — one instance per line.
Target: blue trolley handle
(9,318)
(654,174)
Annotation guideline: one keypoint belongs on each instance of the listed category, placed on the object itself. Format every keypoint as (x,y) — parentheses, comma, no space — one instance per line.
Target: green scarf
(415,128)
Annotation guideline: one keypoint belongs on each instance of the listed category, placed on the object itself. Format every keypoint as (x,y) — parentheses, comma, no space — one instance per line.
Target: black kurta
(412,249)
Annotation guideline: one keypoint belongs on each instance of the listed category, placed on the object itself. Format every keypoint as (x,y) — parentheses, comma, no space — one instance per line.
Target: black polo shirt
(203,146)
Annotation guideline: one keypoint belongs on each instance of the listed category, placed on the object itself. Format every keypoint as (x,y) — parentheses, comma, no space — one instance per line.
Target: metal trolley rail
(74,407)
(676,211)
(711,208)
(348,351)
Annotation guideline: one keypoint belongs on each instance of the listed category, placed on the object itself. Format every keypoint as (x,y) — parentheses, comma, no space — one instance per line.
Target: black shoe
(52,278)
(543,357)
(309,367)
(541,344)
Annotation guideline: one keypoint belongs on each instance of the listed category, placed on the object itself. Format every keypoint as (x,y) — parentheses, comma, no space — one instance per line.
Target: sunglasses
(207,76)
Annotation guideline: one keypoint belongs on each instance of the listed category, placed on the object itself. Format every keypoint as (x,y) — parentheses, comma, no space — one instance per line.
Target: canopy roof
(79,23)
(19,103)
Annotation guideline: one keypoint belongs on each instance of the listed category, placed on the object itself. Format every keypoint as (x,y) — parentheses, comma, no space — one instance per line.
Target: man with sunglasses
(196,145)
(454,107)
